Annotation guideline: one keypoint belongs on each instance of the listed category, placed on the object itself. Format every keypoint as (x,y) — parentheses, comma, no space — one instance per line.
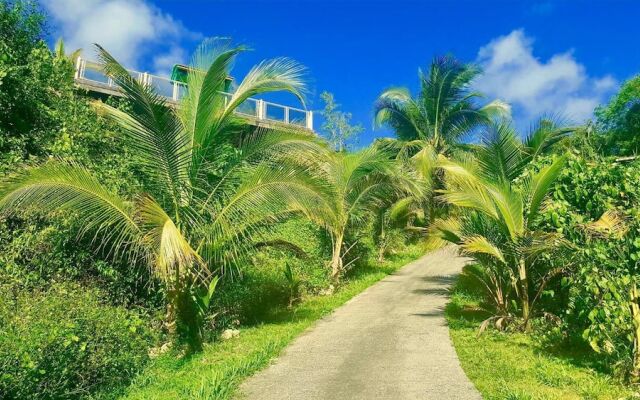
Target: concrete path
(389,342)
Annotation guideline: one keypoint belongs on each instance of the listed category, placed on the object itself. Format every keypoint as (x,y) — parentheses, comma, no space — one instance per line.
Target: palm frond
(401,209)
(279,74)
(163,147)
(611,223)
(425,162)
(500,155)
(204,106)
(266,194)
(62,186)
(442,232)
(396,109)
(497,109)
(478,244)
(540,185)
(266,147)
(544,133)
(510,205)
(175,259)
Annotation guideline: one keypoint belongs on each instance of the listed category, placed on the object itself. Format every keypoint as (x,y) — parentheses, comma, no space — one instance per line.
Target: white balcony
(90,75)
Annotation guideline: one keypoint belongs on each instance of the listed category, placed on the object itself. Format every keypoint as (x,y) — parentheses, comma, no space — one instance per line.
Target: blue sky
(541,56)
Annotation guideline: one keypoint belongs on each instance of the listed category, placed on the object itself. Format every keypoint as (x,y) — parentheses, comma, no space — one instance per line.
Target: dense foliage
(619,121)
(61,342)
(129,227)
(596,296)
(497,214)
(74,173)
(580,262)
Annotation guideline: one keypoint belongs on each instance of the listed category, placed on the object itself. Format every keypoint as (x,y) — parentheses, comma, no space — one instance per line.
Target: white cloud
(559,85)
(163,63)
(130,30)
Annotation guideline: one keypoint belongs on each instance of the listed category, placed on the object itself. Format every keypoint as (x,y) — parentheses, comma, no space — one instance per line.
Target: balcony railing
(92,74)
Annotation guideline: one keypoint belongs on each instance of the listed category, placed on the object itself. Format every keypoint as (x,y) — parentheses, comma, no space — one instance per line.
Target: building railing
(93,74)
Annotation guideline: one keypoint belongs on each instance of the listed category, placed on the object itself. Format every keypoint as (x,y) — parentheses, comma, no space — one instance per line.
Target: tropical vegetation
(497,211)
(157,250)
(434,122)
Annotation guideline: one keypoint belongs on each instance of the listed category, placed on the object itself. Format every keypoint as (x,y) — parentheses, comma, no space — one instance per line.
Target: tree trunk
(524,296)
(336,260)
(381,239)
(635,315)
(170,318)
(182,320)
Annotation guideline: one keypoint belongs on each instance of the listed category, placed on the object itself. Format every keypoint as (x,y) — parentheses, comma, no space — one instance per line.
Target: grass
(217,372)
(520,367)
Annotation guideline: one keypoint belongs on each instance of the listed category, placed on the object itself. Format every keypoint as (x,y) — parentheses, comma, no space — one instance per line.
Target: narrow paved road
(389,342)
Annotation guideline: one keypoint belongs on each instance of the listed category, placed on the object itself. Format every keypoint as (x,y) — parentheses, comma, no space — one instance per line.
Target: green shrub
(262,288)
(35,252)
(63,343)
(594,298)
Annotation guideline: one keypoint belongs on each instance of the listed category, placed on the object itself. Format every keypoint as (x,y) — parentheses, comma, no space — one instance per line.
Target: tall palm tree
(498,204)
(356,184)
(445,110)
(200,205)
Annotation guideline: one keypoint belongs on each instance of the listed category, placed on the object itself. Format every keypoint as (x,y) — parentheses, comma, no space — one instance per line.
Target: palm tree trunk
(336,259)
(170,318)
(181,319)
(524,295)
(381,238)
(635,314)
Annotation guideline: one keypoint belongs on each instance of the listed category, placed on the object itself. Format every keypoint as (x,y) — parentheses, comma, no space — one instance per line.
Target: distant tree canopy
(620,119)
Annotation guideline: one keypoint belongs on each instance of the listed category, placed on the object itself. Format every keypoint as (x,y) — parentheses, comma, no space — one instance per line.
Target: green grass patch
(516,366)
(222,366)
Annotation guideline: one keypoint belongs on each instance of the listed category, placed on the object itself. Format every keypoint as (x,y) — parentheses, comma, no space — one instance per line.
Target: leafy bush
(263,288)
(594,299)
(35,252)
(63,343)
(42,116)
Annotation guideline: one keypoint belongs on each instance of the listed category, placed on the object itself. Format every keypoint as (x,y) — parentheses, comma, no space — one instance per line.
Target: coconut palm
(200,204)
(498,204)
(389,226)
(356,184)
(445,110)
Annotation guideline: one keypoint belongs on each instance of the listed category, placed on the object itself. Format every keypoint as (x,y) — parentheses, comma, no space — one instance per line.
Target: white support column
(286,115)
(261,109)
(310,120)
(174,94)
(78,73)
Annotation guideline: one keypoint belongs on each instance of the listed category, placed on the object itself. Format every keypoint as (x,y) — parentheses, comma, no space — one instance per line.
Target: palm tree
(200,205)
(445,110)
(356,184)
(498,203)
(60,52)
(389,225)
